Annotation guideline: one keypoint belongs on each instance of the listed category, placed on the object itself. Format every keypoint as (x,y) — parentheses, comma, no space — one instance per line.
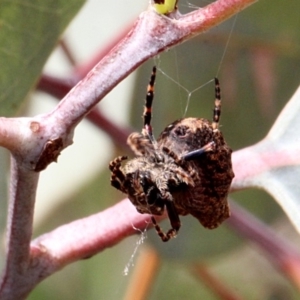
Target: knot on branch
(49,154)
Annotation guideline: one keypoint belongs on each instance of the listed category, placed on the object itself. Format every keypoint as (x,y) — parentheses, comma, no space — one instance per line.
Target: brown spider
(187,170)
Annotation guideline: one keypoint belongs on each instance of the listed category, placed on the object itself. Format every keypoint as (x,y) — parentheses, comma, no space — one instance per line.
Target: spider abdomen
(207,200)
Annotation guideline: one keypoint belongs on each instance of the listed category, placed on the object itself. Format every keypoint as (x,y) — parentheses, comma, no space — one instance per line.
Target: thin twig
(215,284)
(67,51)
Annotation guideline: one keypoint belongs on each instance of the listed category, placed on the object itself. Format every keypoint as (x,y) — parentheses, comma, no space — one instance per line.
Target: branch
(60,87)
(19,228)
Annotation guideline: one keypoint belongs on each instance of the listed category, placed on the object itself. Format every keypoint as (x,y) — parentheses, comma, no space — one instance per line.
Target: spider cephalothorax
(187,170)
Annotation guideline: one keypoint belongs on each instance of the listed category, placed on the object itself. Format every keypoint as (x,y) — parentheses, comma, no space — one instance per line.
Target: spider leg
(140,144)
(173,216)
(185,173)
(174,220)
(217,109)
(199,152)
(117,175)
(172,154)
(147,115)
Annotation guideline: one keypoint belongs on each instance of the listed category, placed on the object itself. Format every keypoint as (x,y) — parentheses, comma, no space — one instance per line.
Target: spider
(187,170)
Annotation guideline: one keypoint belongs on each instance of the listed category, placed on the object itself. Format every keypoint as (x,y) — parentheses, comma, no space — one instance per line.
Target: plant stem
(19,227)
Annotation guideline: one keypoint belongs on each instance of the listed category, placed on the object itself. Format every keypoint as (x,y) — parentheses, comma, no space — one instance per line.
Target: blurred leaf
(280,152)
(29,31)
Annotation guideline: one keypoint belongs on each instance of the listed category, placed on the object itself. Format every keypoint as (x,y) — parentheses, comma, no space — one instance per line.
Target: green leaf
(29,30)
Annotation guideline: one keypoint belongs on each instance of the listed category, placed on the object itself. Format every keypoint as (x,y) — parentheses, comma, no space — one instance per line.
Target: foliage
(29,32)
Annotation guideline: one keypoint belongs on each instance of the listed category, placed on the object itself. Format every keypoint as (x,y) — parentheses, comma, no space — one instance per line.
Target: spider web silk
(139,242)
(188,92)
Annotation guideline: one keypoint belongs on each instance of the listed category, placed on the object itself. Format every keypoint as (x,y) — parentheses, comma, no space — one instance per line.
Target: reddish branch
(60,87)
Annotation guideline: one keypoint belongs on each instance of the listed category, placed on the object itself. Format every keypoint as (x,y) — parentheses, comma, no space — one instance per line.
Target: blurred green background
(259,73)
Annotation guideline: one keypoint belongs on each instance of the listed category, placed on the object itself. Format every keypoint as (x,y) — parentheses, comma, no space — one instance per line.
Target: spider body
(186,171)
